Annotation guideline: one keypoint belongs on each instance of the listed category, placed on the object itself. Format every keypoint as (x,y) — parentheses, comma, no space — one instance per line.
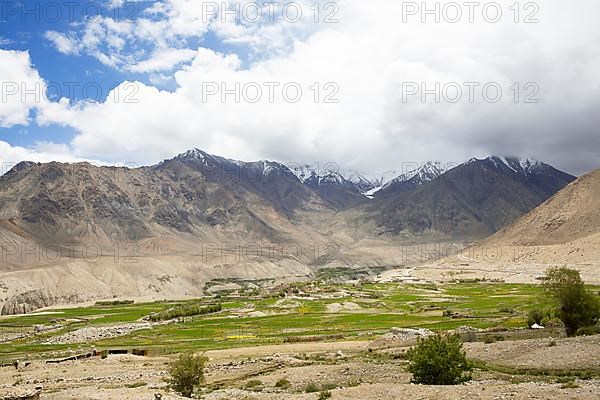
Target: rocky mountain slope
(572,214)
(81,231)
(470,201)
(564,230)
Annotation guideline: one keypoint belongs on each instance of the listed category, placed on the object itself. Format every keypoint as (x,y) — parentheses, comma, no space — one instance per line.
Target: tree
(439,360)
(186,374)
(577,307)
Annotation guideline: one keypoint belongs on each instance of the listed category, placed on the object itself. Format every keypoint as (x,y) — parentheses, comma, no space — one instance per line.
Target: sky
(365,85)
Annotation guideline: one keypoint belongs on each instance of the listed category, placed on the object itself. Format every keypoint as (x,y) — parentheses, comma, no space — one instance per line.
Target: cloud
(63,44)
(17,76)
(40,152)
(163,59)
(5,42)
(370,55)
(158,39)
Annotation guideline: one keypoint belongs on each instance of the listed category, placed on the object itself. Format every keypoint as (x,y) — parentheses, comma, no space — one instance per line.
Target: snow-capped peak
(302,172)
(193,154)
(524,166)
(420,174)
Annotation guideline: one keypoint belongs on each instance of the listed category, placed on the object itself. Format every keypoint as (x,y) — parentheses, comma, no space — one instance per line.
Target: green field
(376,308)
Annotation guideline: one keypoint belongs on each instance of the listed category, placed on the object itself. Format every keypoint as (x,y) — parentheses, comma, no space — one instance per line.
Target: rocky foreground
(522,369)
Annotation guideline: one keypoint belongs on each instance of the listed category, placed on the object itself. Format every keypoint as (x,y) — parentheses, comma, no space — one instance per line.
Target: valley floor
(346,338)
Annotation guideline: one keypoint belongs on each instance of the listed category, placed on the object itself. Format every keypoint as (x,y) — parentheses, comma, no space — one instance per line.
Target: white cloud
(17,76)
(158,39)
(163,59)
(63,44)
(40,152)
(369,55)
(4,41)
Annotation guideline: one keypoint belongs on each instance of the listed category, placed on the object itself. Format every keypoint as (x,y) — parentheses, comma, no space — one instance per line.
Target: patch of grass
(311,387)
(253,384)
(570,385)
(567,374)
(136,385)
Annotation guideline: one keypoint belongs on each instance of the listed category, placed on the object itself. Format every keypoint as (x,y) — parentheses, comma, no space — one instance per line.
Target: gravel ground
(345,365)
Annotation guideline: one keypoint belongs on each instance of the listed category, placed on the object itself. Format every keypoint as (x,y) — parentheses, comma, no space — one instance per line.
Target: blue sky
(361,53)
(81,77)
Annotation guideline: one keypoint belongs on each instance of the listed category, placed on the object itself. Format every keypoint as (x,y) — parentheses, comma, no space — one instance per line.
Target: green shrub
(136,385)
(114,302)
(570,385)
(186,374)
(254,384)
(311,388)
(535,317)
(439,360)
(324,395)
(588,330)
(328,386)
(489,339)
(282,384)
(577,307)
(551,321)
(186,310)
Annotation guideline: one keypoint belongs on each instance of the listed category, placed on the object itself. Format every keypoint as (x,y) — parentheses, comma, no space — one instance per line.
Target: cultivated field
(314,335)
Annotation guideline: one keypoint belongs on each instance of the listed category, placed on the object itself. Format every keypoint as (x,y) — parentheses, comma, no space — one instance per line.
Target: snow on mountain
(521,166)
(317,176)
(422,174)
(367,184)
(330,175)
(416,175)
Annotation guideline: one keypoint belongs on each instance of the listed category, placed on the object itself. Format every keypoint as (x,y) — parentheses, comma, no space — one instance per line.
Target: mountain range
(564,230)
(78,228)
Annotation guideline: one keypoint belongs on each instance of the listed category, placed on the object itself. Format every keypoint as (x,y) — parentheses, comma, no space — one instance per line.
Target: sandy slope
(565,230)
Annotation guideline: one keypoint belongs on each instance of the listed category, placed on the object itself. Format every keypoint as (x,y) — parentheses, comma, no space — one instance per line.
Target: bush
(588,331)
(535,317)
(114,302)
(324,395)
(187,310)
(186,374)
(550,321)
(282,384)
(577,307)
(253,384)
(439,360)
(311,388)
